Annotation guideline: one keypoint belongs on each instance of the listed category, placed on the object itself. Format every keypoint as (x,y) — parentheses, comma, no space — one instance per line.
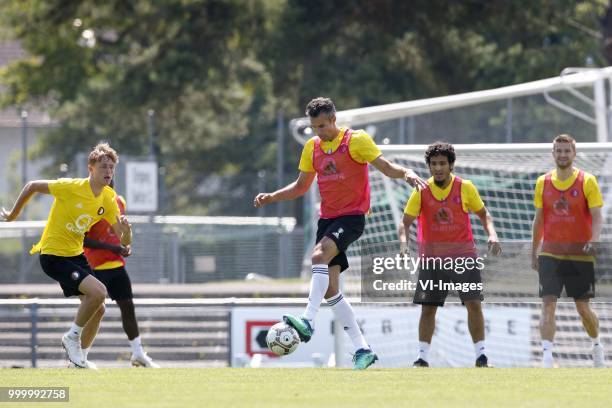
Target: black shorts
(343,231)
(69,271)
(117,282)
(430,293)
(578,277)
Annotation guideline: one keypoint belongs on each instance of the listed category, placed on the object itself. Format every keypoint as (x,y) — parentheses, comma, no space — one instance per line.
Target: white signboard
(141,186)
(392,332)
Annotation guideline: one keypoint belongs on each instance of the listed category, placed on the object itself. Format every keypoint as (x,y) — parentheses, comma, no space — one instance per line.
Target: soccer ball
(282,339)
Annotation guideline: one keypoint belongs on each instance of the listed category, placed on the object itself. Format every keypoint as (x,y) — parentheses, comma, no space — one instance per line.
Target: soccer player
(445,232)
(339,158)
(78,204)
(567,223)
(105,254)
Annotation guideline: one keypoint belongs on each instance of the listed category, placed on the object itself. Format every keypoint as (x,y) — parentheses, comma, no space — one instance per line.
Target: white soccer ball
(282,339)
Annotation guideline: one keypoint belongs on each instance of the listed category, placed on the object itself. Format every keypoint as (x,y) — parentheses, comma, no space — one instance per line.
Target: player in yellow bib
(77,205)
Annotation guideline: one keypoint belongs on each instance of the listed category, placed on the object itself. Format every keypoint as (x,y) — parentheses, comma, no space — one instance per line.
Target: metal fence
(178,249)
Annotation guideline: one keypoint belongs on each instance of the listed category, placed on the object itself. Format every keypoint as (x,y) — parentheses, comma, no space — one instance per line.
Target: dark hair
(320,105)
(440,149)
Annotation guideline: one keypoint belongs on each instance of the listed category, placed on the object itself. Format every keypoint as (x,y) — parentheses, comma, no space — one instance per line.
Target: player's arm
(289,192)
(123,230)
(32,187)
(597,225)
(95,244)
(393,170)
(404,232)
(537,231)
(487,224)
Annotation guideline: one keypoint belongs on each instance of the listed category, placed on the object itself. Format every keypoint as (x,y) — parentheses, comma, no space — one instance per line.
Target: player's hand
(262,199)
(590,248)
(494,246)
(5,215)
(126,250)
(415,181)
(534,262)
(123,223)
(404,249)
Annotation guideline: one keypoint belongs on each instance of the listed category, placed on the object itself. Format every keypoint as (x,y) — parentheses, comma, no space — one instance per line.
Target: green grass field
(226,387)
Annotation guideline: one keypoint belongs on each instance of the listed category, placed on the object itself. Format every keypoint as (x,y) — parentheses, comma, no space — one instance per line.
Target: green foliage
(216,71)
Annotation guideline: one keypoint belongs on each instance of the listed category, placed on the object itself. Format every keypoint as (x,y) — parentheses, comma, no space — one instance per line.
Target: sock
(318,286)
(547,349)
(423,351)
(479,348)
(75,330)
(136,345)
(85,352)
(346,316)
(596,342)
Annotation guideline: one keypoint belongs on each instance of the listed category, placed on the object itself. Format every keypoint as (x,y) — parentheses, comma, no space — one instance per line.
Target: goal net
(512,123)
(505,176)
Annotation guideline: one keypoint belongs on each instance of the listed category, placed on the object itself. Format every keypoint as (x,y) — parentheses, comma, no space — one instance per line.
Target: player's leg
(119,288)
(590,321)
(74,276)
(429,299)
(581,286)
(550,290)
(92,299)
(476,326)
(91,330)
(589,318)
(130,325)
(548,329)
(427,326)
(343,311)
(472,299)
(333,237)
(325,250)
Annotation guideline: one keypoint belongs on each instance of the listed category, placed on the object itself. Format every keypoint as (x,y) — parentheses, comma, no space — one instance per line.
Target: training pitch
(275,387)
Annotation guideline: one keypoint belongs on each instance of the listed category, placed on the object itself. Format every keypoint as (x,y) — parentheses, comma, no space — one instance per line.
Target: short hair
(102,150)
(320,105)
(565,138)
(440,149)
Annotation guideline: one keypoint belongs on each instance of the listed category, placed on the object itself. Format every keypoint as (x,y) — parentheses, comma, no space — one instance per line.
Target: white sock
(423,351)
(318,286)
(136,345)
(346,316)
(479,348)
(75,330)
(547,349)
(596,342)
(85,352)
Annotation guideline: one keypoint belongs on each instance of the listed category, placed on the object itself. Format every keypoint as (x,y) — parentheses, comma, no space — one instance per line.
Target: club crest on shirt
(329,167)
(100,210)
(444,216)
(561,206)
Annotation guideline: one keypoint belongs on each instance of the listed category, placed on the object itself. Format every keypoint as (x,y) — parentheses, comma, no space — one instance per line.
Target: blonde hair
(565,138)
(102,150)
